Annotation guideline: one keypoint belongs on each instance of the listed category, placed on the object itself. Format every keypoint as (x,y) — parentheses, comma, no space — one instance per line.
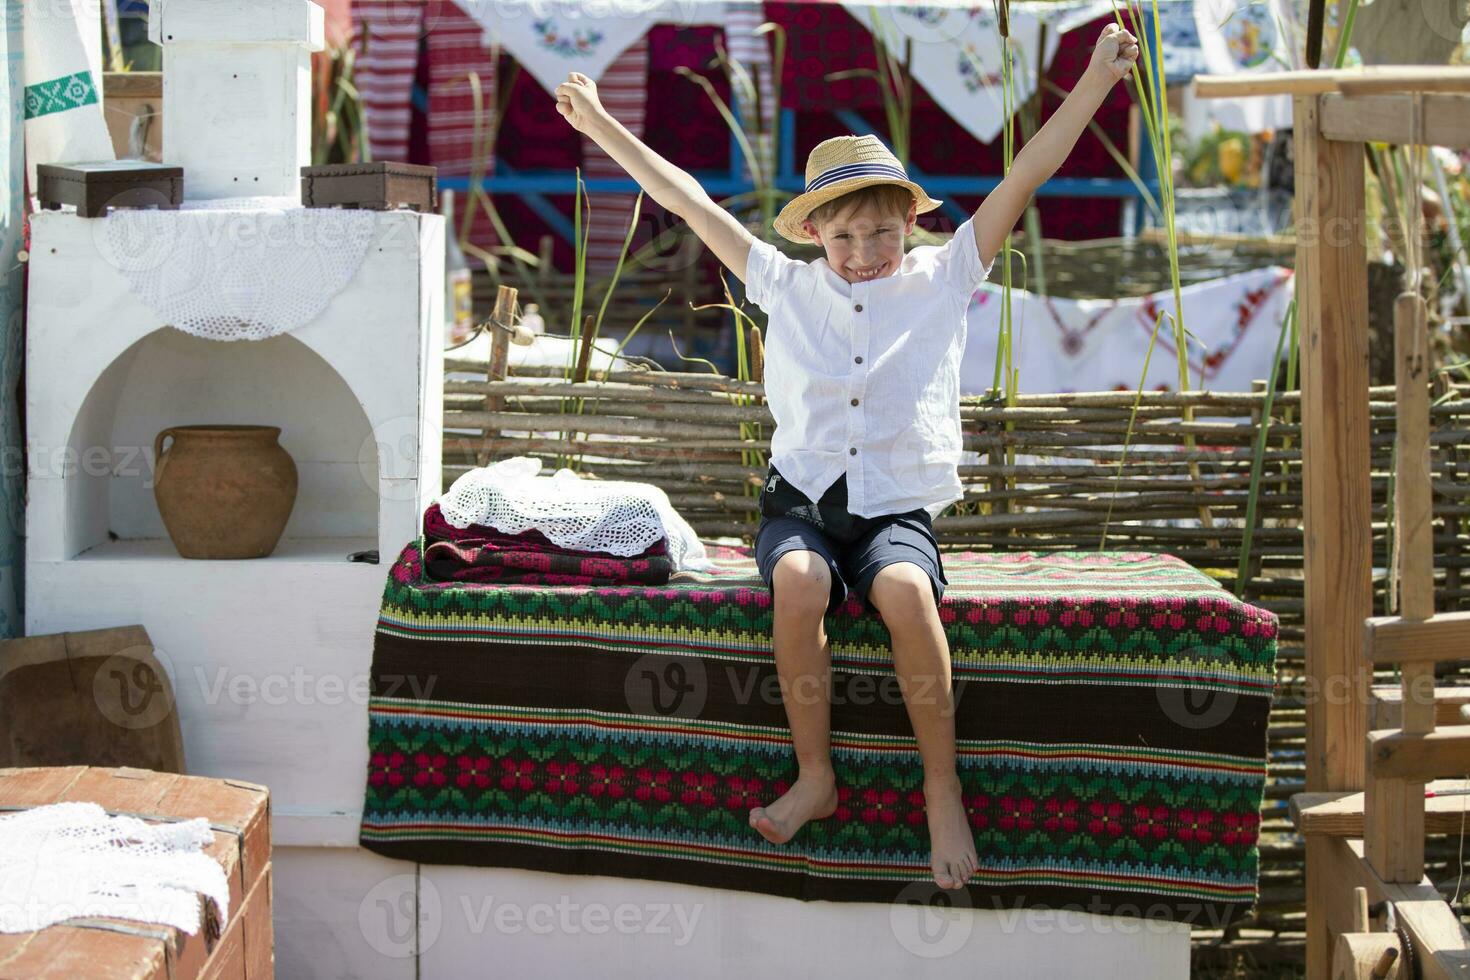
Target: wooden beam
(1386,708)
(1420,755)
(1332,293)
(1363,80)
(1395,639)
(1341,814)
(1443,120)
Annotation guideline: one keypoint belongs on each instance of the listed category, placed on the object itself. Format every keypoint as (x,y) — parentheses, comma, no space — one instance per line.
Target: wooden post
(505,304)
(1332,286)
(584,349)
(1393,831)
(1332,296)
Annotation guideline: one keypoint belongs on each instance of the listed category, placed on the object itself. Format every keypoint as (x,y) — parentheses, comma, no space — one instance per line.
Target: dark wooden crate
(381,186)
(94,187)
(123,949)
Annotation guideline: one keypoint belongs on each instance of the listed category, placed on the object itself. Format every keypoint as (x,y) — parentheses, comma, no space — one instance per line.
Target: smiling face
(863,238)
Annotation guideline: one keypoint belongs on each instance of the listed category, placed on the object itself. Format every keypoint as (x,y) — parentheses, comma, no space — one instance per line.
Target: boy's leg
(796,562)
(896,568)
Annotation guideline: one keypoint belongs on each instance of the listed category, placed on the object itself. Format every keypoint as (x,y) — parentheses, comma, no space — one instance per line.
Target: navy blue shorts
(854,548)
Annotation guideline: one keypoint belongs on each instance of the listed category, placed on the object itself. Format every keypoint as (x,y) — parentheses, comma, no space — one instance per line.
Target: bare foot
(952,845)
(810,798)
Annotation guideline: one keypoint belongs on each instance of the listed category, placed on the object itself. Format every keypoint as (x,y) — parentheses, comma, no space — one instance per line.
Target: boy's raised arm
(674,189)
(1113,57)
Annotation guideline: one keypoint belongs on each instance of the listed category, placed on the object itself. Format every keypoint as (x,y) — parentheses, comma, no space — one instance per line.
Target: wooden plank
(1332,291)
(1385,708)
(1420,755)
(1443,945)
(1341,814)
(1330,884)
(1372,78)
(1393,826)
(67,952)
(1397,639)
(31,787)
(1443,120)
(260,943)
(132,85)
(121,789)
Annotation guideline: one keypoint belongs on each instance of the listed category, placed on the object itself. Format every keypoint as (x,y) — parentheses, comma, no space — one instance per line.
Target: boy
(862,378)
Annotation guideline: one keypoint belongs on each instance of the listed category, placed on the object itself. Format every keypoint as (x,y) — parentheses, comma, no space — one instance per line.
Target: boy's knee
(801,580)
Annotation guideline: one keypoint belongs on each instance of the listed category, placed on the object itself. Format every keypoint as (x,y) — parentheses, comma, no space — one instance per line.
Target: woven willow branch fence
(704,439)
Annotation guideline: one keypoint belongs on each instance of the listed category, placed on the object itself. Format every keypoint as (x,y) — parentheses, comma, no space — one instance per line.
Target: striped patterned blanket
(1111,731)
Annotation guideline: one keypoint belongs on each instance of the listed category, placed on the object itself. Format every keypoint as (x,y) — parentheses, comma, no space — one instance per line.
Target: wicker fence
(1043,474)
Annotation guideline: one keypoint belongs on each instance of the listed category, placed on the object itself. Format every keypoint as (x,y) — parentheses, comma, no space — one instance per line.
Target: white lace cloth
(74,859)
(620,517)
(236,269)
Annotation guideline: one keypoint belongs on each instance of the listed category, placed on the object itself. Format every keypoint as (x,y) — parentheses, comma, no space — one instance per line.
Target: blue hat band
(856,170)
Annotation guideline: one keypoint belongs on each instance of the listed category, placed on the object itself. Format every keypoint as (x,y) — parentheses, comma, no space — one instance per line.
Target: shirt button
(858,307)
(858,359)
(852,451)
(854,401)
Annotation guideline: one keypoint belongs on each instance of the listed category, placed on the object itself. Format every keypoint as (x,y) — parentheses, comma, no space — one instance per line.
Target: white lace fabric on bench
(619,517)
(66,860)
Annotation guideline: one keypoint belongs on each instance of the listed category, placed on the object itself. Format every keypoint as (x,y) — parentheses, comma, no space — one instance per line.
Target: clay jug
(225,491)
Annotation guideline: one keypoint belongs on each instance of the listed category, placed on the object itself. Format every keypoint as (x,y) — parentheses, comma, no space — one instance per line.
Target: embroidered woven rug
(1110,725)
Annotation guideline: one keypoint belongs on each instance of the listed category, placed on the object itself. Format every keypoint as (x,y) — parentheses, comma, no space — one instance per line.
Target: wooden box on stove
(124,949)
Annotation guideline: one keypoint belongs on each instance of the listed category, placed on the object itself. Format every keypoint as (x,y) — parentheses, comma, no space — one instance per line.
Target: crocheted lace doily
(236,269)
(74,859)
(614,516)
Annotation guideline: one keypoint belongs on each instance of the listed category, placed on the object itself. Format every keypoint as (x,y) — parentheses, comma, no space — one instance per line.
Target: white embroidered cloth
(620,517)
(552,37)
(239,268)
(957,54)
(1065,345)
(74,859)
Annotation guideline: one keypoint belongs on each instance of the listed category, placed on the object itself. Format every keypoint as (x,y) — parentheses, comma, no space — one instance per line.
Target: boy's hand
(1115,53)
(577,101)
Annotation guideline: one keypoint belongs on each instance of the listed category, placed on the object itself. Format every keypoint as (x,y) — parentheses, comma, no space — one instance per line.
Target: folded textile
(1110,724)
(436,528)
(618,517)
(493,562)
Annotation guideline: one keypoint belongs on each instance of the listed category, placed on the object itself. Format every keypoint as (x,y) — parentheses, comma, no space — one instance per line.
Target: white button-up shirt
(864,378)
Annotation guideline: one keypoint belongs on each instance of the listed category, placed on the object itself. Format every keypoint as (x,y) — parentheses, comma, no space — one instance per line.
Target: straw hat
(839,166)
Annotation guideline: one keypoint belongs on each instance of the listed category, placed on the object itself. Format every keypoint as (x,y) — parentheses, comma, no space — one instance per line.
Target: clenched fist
(577,101)
(1115,53)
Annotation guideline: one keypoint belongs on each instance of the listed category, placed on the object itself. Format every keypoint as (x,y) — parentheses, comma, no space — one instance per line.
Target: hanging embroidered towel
(956,51)
(63,85)
(551,39)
